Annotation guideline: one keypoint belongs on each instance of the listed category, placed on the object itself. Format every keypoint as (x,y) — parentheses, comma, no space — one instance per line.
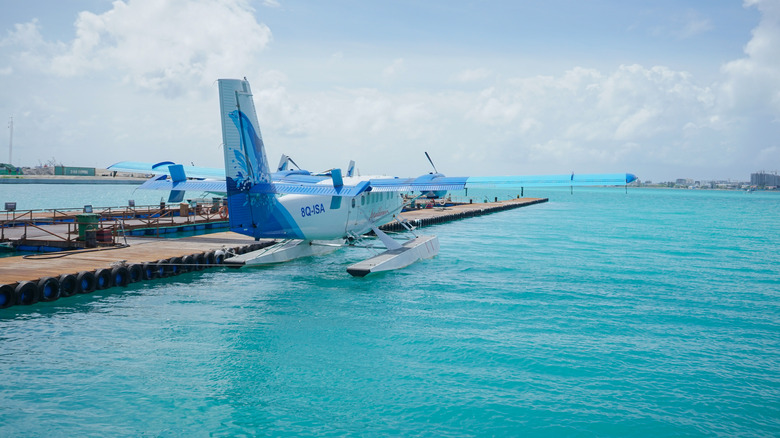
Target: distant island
(758,181)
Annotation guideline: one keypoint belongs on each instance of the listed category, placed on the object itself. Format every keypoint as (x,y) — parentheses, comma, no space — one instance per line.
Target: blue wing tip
(630,177)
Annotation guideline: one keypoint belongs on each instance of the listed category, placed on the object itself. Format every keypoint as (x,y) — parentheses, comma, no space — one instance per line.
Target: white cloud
(28,49)
(495,108)
(752,82)
(582,120)
(24,35)
(473,75)
(85,92)
(165,46)
(692,24)
(683,26)
(393,69)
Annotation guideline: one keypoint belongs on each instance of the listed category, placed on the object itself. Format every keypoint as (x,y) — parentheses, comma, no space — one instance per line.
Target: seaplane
(314,213)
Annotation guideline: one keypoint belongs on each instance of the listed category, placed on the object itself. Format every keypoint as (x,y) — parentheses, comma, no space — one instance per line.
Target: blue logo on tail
(251,212)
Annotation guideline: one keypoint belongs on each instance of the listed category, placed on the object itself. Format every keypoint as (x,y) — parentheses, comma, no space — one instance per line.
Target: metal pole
(11,140)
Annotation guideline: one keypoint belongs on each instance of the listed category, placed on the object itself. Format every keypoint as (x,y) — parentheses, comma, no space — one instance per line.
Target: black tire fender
(187,263)
(48,289)
(68,285)
(103,279)
(26,293)
(174,265)
(120,276)
(135,272)
(162,269)
(200,261)
(149,271)
(85,282)
(7,296)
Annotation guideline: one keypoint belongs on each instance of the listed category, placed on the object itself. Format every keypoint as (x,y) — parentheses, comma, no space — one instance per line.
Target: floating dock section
(26,280)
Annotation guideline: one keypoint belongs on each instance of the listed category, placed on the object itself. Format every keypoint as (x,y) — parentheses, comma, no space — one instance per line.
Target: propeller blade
(294,163)
(431,161)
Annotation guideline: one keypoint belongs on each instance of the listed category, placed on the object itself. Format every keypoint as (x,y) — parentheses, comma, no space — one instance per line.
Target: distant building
(684,182)
(74,171)
(763,179)
(9,169)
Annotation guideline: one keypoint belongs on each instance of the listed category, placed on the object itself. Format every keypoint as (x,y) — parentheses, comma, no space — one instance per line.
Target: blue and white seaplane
(314,213)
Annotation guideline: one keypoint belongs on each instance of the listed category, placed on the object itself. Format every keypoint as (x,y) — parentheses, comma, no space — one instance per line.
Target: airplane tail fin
(246,164)
(252,205)
(245,160)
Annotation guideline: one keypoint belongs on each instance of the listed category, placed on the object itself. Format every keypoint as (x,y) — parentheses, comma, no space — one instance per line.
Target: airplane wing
(567,180)
(163,183)
(433,182)
(306,185)
(302,182)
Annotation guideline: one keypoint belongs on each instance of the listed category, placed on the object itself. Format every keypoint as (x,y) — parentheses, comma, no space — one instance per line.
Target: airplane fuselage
(322,218)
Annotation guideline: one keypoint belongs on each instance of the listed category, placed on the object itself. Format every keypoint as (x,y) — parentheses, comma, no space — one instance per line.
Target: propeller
(294,163)
(431,161)
(284,161)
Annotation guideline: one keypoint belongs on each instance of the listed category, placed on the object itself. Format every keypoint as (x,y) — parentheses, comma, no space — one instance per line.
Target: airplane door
(353,213)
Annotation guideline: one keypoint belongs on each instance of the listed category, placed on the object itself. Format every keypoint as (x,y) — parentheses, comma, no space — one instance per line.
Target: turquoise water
(62,196)
(651,313)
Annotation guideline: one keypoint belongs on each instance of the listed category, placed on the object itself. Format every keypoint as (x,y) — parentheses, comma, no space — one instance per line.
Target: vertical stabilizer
(253,208)
(245,160)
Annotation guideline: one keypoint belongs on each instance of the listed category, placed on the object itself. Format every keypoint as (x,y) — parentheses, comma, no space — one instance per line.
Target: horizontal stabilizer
(162,168)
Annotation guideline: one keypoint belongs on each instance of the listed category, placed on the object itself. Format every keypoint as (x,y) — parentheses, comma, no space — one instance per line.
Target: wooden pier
(47,276)
(436,213)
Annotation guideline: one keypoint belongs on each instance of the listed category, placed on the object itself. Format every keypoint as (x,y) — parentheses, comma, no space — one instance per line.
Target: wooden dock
(49,276)
(437,214)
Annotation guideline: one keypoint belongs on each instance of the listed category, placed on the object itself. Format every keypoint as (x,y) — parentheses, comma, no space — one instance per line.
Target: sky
(664,89)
